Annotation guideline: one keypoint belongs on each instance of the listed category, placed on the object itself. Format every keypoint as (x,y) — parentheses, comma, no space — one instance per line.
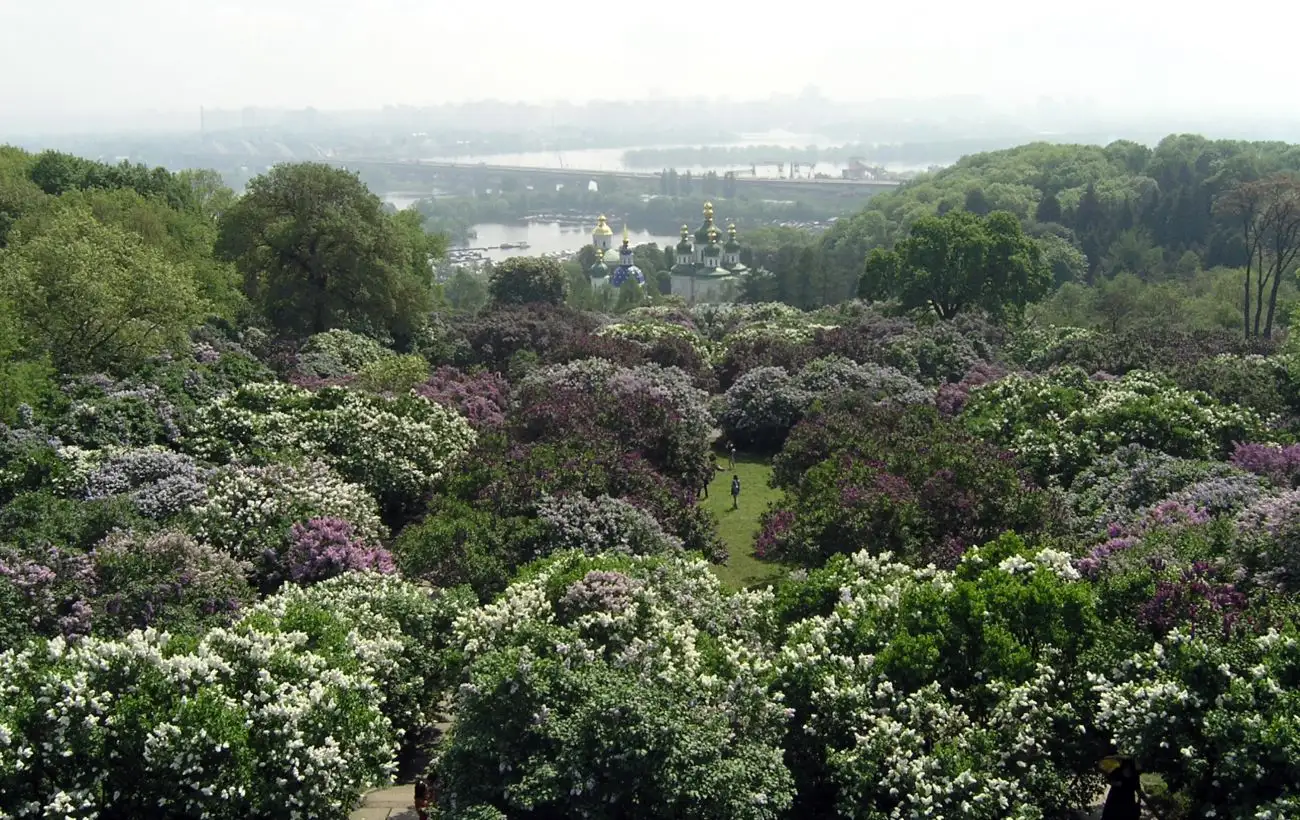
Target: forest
(1001,483)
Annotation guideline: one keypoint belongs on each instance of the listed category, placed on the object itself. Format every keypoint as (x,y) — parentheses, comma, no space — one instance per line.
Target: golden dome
(602,228)
(708,209)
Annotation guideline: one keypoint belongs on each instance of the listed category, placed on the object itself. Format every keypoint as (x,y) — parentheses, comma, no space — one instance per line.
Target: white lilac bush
(616,687)
(650,330)
(603,524)
(290,713)
(1060,423)
(397,447)
(249,510)
(1215,718)
(928,693)
(243,723)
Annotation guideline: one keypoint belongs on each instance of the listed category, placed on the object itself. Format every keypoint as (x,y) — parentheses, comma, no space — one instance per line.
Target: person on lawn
(731,454)
(735,492)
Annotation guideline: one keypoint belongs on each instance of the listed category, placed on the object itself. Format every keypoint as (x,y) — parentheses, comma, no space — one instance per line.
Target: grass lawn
(738,527)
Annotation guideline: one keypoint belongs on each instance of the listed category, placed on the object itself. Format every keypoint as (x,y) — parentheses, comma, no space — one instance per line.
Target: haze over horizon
(134,56)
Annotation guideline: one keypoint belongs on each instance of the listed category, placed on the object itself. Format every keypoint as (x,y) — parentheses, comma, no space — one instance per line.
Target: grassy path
(738,527)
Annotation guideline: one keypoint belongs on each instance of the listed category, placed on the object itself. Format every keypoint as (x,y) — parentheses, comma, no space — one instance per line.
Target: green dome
(599,269)
(685,246)
(732,245)
(702,235)
(712,250)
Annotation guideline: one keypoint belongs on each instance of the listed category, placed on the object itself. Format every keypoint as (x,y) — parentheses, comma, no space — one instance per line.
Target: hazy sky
(65,60)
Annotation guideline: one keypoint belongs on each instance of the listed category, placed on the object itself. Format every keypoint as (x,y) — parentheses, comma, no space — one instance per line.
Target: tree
(959,260)
(466,292)
(1049,208)
(1267,214)
(97,297)
(522,280)
(317,252)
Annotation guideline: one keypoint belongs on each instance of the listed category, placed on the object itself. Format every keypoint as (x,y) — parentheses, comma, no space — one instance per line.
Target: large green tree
(317,251)
(95,296)
(521,280)
(957,261)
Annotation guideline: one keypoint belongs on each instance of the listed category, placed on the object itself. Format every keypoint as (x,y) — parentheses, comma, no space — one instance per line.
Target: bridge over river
(431,173)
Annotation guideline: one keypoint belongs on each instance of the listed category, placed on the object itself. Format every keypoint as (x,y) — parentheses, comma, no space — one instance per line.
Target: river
(611,159)
(548,237)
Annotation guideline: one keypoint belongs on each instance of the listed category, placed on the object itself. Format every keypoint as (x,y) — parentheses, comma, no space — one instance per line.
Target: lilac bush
(1279,464)
(482,398)
(605,524)
(161,483)
(1270,538)
(166,580)
(324,547)
(251,510)
(599,591)
(45,592)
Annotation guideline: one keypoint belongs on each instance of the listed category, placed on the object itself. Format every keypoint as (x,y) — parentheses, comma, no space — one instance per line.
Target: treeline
(103,267)
(927,153)
(662,215)
(1098,212)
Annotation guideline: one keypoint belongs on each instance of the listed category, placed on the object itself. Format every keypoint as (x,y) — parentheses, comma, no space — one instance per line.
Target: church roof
(602,227)
(623,273)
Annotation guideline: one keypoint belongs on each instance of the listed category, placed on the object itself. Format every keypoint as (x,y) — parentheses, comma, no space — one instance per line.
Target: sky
(71,62)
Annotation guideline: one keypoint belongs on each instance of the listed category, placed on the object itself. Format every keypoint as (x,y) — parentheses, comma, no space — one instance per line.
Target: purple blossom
(325,547)
(1279,464)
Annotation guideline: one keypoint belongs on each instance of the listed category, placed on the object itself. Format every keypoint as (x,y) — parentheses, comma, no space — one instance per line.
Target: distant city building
(703,271)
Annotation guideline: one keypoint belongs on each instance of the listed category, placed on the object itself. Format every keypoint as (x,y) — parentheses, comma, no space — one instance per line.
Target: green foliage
(96,297)
(522,280)
(317,251)
(958,261)
(394,374)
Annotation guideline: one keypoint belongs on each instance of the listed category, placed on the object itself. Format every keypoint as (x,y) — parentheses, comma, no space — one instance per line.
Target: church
(702,271)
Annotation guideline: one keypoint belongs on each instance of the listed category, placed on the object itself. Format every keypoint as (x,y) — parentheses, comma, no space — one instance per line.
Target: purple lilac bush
(1280,464)
(322,548)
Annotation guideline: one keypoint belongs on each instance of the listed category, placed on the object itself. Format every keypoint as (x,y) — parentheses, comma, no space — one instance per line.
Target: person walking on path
(731,454)
(735,492)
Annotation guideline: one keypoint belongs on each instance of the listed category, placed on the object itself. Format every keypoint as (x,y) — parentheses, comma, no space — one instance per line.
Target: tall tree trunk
(1272,301)
(1261,282)
(1245,304)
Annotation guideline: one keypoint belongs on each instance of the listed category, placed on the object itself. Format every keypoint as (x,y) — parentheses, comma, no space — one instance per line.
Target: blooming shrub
(615,687)
(902,481)
(338,353)
(1214,718)
(396,447)
(324,547)
(482,398)
(104,413)
(1060,423)
(921,692)
(250,510)
(1270,538)
(247,722)
(44,591)
(161,484)
(1119,486)
(167,581)
(651,411)
(602,525)
(648,333)
(761,407)
(1279,464)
